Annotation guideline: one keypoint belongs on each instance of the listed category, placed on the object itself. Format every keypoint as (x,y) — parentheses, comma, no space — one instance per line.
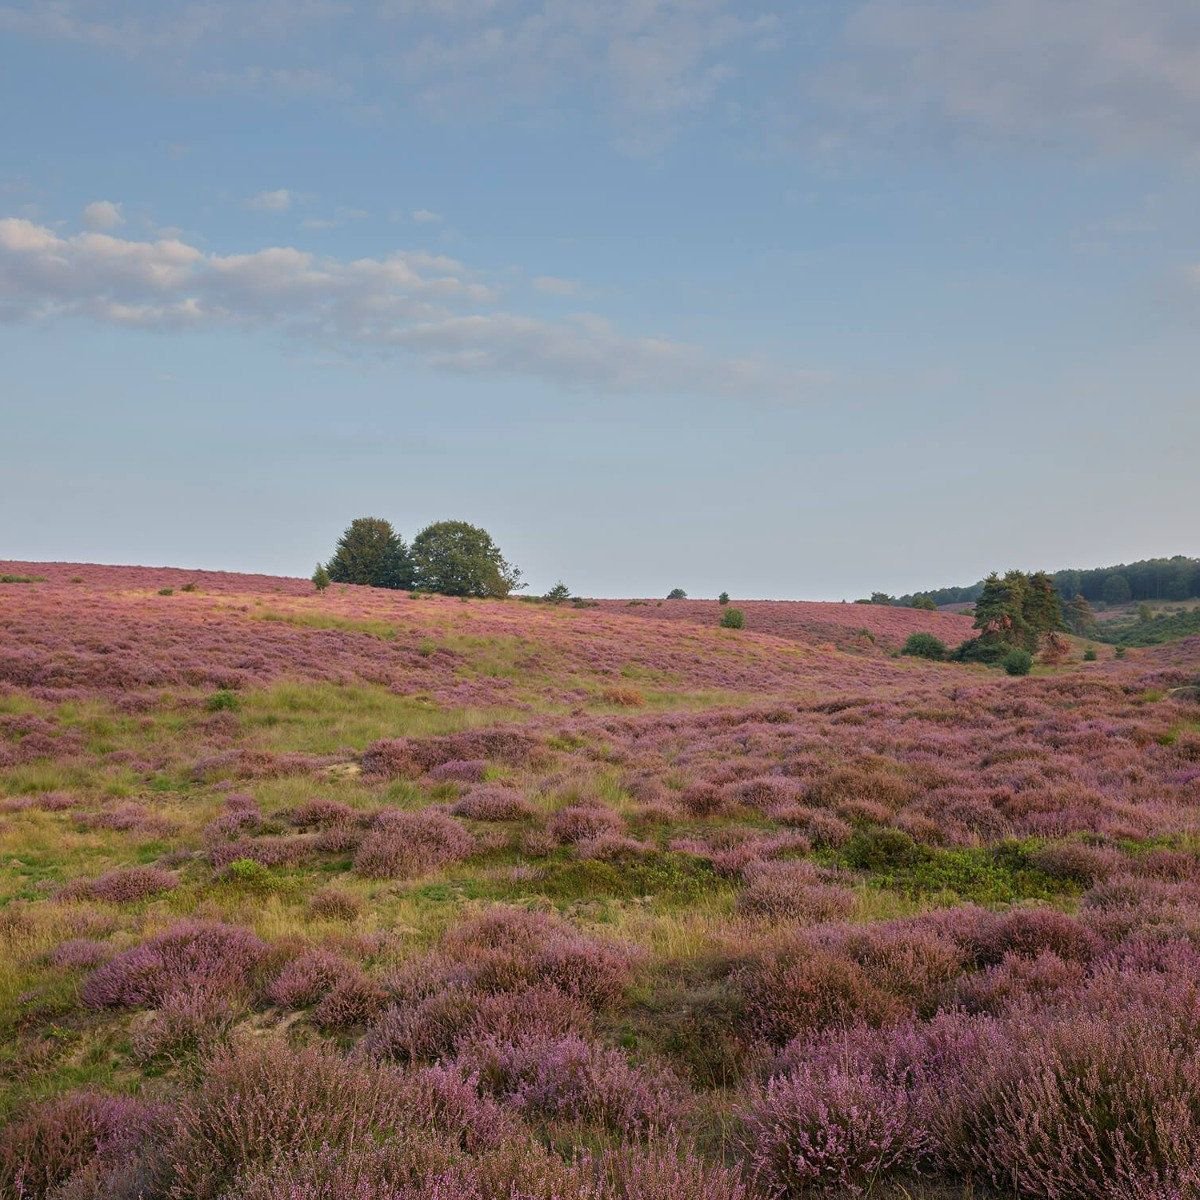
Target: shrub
(733,618)
(78,1134)
(222,701)
(1089,655)
(320,577)
(881,849)
(558,594)
(925,645)
(577,822)
(306,978)
(1017,662)
(492,804)
(677,594)
(355,999)
(824,1127)
(166,591)
(569,1078)
(723,599)
(222,959)
(124,885)
(403,844)
(793,890)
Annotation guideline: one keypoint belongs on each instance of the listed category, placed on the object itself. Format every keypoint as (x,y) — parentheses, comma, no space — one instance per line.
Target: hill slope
(347,894)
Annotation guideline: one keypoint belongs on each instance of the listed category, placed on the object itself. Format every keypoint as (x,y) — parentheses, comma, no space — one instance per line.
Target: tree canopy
(458,559)
(1016,609)
(371,552)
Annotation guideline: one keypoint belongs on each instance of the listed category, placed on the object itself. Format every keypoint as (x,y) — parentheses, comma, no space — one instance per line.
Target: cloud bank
(424,305)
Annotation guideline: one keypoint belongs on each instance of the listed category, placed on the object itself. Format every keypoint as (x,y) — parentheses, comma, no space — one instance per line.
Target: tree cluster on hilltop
(452,558)
(1176,578)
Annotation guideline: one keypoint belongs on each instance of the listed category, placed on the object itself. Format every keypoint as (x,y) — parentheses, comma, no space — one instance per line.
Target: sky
(801,299)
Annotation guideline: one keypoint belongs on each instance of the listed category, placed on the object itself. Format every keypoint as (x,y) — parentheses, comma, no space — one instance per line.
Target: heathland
(311,895)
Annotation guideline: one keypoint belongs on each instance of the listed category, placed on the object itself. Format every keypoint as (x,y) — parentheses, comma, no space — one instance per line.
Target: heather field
(359,895)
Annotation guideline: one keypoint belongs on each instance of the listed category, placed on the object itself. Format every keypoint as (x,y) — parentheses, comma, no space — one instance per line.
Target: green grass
(317,620)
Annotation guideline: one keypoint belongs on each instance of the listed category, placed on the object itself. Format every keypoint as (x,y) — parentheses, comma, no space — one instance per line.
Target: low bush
(733,618)
(402,844)
(1017,662)
(925,645)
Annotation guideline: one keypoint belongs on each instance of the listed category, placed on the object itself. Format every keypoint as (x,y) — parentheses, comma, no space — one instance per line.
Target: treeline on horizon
(1176,578)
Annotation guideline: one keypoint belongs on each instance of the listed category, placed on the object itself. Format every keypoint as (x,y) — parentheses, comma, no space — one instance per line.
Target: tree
(925,603)
(1117,589)
(733,618)
(1000,609)
(558,594)
(1043,607)
(457,559)
(881,598)
(723,598)
(320,577)
(1079,617)
(677,594)
(371,552)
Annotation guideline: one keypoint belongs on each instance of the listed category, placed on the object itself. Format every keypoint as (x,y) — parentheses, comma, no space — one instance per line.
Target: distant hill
(1176,578)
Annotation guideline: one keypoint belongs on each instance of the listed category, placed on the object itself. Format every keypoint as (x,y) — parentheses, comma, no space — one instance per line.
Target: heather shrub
(1077,862)
(402,844)
(577,822)
(510,949)
(124,885)
(190,955)
(319,814)
(1080,1108)
(794,890)
(306,979)
(1018,981)
(1029,931)
(663,1170)
(612,847)
(822,828)
(79,953)
(71,1138)
(797,987)
(334,904)
(354,1000)
(492,804)
(568,1078)
(831,1126)
(259,1103)
(187,1022)
(459,770)
(283,851)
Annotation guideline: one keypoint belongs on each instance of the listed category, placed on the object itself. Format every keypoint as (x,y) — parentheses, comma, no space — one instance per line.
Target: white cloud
(423,216)
(103,214)
(1097,75)
(430,306)
(552,285)
(279,200)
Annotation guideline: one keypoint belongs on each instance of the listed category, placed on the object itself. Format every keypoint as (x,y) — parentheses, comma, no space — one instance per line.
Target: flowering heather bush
(222,959)
(80,954)
(578,822)
(408,758)
(356,999)
(74,1137)
(612,847)
(306,978)
(319,814)
(665,1171)
(402,844)
(794,890)
(1020,982)
(1078,862)
(192,1020)
(831,1126)
(492,804)
(285,851)
(122,886)
(129,817)
(459,770)
(1029,931)
(568,1078)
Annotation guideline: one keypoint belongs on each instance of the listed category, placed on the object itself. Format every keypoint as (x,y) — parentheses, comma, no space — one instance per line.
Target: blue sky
(799,299)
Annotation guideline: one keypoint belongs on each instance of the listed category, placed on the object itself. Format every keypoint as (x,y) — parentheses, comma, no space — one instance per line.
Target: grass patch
(316,620)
